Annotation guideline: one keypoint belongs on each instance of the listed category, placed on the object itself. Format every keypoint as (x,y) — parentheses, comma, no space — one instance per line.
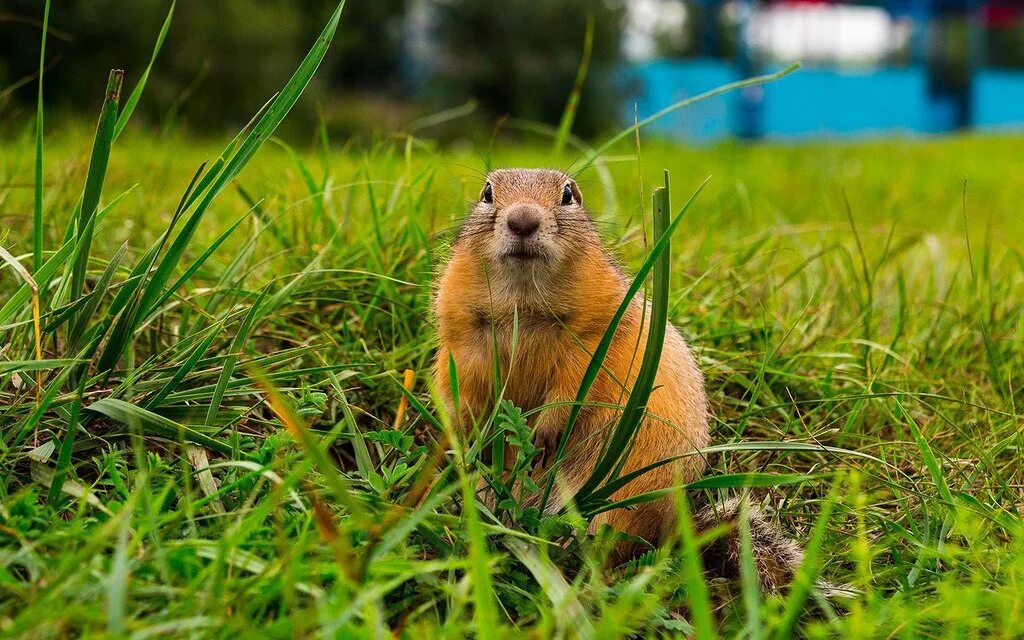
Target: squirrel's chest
(529,349)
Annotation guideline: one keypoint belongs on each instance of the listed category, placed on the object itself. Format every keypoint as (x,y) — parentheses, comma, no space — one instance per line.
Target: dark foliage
(520,58)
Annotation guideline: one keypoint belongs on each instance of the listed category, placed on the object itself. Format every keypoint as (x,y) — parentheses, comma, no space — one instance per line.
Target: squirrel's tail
(776,557)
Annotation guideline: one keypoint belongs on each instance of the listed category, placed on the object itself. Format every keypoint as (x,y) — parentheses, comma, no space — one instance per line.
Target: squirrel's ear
(576,195)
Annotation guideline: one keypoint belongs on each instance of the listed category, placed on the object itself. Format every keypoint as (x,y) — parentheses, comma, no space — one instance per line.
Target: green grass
(203,446)
(889,342)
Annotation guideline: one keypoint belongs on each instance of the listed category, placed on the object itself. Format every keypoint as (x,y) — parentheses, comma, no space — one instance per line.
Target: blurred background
(871,68)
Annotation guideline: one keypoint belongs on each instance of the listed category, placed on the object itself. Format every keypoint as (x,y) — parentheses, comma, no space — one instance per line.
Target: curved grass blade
(597,360)
(134,416)
(723,481)
(593,155)
(633,413)
(611,487)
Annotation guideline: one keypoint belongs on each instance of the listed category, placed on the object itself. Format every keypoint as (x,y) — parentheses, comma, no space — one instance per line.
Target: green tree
(520,58)
(222,59)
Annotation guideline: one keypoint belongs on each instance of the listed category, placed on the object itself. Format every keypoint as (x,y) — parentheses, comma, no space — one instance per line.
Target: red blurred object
(1002,15)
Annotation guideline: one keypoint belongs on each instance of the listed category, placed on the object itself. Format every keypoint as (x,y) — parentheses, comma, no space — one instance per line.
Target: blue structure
(927,95)
(998,100)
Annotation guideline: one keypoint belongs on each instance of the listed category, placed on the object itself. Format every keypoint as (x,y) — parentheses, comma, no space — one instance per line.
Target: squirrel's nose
(523,222)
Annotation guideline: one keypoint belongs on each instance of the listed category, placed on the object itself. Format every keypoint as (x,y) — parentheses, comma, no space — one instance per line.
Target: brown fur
(565,300)
(563,288)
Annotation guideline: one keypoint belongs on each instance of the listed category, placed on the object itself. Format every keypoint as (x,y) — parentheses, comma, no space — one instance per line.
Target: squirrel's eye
(566,196)
(488,195)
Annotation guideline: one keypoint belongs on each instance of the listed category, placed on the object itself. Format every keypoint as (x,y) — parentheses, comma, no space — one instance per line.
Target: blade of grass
(95,177)
(123,333)
(85,314)
(808,571)
(197,264)
(66,446)
(278,108)
(748,575)
(37,213)
(228,367)
(593,507)
(633,413)
(554,585)
(930,461)
(133,99)
(134,416)
(485,611)
(611,487)
(572,104)
(21,366)
(697,596)
(594,154)
(597,360)
(186,368)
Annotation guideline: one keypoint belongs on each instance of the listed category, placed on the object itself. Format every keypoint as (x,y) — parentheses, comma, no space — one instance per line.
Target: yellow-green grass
(860,296)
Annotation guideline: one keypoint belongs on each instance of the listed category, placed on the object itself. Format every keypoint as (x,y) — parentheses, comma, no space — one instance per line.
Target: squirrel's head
(528,222)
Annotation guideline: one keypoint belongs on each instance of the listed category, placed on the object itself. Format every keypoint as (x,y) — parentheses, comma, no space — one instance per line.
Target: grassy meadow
(205,432)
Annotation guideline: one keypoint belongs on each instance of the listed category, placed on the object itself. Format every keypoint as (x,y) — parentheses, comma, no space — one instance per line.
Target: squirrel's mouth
(522,252)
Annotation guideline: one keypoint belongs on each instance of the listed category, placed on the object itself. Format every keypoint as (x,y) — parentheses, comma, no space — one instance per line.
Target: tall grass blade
(597,360)
(95,177)
(748,575)
(573,103)
(279,107)
(632,415)
(697,596)
(133,99)
(806,575)
(485,611)
(37,213)
(930,461)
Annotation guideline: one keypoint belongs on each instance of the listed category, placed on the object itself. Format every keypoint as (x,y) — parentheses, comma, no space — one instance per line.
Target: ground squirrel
(529,248)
